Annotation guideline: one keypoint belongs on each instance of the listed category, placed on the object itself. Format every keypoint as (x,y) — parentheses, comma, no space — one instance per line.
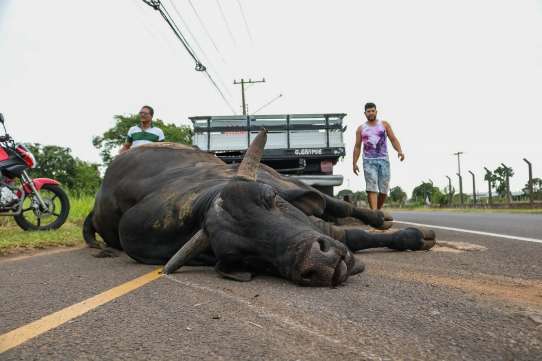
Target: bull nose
(325,264)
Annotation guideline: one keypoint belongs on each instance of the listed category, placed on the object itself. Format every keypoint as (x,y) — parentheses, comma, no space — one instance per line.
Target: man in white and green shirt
(144,132)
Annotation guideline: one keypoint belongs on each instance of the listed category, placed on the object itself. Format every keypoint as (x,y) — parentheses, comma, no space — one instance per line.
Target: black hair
(369,106)
(149,108)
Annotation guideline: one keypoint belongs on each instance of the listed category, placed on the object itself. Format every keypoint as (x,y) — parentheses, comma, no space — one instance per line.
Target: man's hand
(355,169)
(401,156)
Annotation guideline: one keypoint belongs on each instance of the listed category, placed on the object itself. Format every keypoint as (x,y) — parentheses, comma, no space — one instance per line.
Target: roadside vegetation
(14,240)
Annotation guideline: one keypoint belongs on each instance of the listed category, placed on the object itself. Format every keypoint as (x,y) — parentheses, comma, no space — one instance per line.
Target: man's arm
(125,147)
(357,151)
(394,141)
(128,144)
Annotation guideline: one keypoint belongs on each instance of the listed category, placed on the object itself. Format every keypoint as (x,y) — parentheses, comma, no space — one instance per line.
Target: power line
(220,80)
(158,6)
(188,29)
(221,94)
(245,20)
(226,22)
(205,29)
(268,103)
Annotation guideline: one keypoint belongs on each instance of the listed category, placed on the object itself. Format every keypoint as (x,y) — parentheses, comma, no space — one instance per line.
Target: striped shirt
(138,136)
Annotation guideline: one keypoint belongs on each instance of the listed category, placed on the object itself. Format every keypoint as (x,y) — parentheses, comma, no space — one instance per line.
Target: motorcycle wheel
(34,219)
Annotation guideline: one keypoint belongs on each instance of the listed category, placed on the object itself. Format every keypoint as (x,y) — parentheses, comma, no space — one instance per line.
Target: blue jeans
(377,175)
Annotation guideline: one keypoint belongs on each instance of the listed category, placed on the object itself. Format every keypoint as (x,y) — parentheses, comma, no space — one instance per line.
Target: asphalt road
(445,304)
(523,225)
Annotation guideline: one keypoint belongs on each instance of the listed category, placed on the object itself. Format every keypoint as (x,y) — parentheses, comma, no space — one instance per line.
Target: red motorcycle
(36,204)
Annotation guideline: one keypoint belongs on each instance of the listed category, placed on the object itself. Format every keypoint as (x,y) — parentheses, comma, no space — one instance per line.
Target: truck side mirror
(1,118)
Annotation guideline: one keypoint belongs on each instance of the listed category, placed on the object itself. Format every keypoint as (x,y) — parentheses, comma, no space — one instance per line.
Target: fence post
(449,191)
(473,188)
(531,194)
(489,186)
(508,194)
(461,189)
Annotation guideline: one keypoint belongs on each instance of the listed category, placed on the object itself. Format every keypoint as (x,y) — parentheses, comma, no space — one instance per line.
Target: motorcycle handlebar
(4,138)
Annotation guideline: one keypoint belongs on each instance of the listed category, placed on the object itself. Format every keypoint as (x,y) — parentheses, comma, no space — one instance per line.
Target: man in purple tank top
(373,135)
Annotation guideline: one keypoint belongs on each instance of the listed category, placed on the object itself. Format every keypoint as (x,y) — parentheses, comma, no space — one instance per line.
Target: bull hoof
(429,238)
(413,239)
(107,253)
(376,219)
(385,226)
(94,244)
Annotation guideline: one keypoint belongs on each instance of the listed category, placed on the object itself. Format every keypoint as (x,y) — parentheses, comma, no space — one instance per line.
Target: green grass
(14,240)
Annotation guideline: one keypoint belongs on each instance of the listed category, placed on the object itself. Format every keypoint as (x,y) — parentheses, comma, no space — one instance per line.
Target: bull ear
(308,201)
(251,161)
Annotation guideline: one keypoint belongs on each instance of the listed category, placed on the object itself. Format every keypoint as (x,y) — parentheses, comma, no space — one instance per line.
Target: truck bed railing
(222,133)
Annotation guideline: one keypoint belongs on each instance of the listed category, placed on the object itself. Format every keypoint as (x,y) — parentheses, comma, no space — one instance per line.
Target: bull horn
(251,161)
(197,244)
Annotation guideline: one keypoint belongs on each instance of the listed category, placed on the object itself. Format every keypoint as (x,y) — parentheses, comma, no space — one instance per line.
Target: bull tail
(89,232)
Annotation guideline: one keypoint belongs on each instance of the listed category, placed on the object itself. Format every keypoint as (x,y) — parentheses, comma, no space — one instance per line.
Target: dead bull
(169,203)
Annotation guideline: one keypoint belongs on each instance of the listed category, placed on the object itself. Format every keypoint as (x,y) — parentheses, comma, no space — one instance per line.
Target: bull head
(199,242)
(250,225)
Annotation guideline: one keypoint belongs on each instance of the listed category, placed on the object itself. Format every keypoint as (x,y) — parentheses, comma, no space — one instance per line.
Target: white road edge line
(526,239)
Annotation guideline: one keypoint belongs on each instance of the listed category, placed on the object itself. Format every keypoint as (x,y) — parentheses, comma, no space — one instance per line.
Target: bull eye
(270,198)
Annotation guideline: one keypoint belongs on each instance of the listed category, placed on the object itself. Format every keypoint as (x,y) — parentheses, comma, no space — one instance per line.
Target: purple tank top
(374,138)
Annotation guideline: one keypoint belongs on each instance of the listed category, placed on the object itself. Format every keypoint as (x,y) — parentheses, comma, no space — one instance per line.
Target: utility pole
(449,190)
(473,188)
(531,195)
(489,186)
(508,194)
(243,82)
(461,188)
(459,175)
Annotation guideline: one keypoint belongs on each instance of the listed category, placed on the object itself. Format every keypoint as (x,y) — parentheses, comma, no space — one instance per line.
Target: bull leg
(336,208)
(357,239)
(404,239)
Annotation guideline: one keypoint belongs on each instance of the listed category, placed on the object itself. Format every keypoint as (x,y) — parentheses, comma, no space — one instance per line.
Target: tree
(491,178)
(537,188)
(354,196)
(86,179)
(114,137)
(397,195)
(500,179)
(360,196)
(53,162)
(56,162)
(425,191)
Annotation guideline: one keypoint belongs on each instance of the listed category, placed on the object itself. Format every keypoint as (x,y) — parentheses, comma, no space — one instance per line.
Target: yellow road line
(22,334)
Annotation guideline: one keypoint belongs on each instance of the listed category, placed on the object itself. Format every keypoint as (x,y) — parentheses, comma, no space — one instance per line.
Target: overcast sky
(448,75)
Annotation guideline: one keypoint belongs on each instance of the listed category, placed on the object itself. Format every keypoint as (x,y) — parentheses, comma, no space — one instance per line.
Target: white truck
(304,146)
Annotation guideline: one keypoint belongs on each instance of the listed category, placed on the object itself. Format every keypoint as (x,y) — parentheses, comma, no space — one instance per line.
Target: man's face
(145,115)
(370,114)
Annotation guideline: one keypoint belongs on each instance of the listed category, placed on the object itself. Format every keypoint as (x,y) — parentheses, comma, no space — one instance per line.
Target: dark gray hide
(157,197)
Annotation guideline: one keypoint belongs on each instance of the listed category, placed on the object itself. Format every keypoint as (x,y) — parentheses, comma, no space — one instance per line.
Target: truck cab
(302,146)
